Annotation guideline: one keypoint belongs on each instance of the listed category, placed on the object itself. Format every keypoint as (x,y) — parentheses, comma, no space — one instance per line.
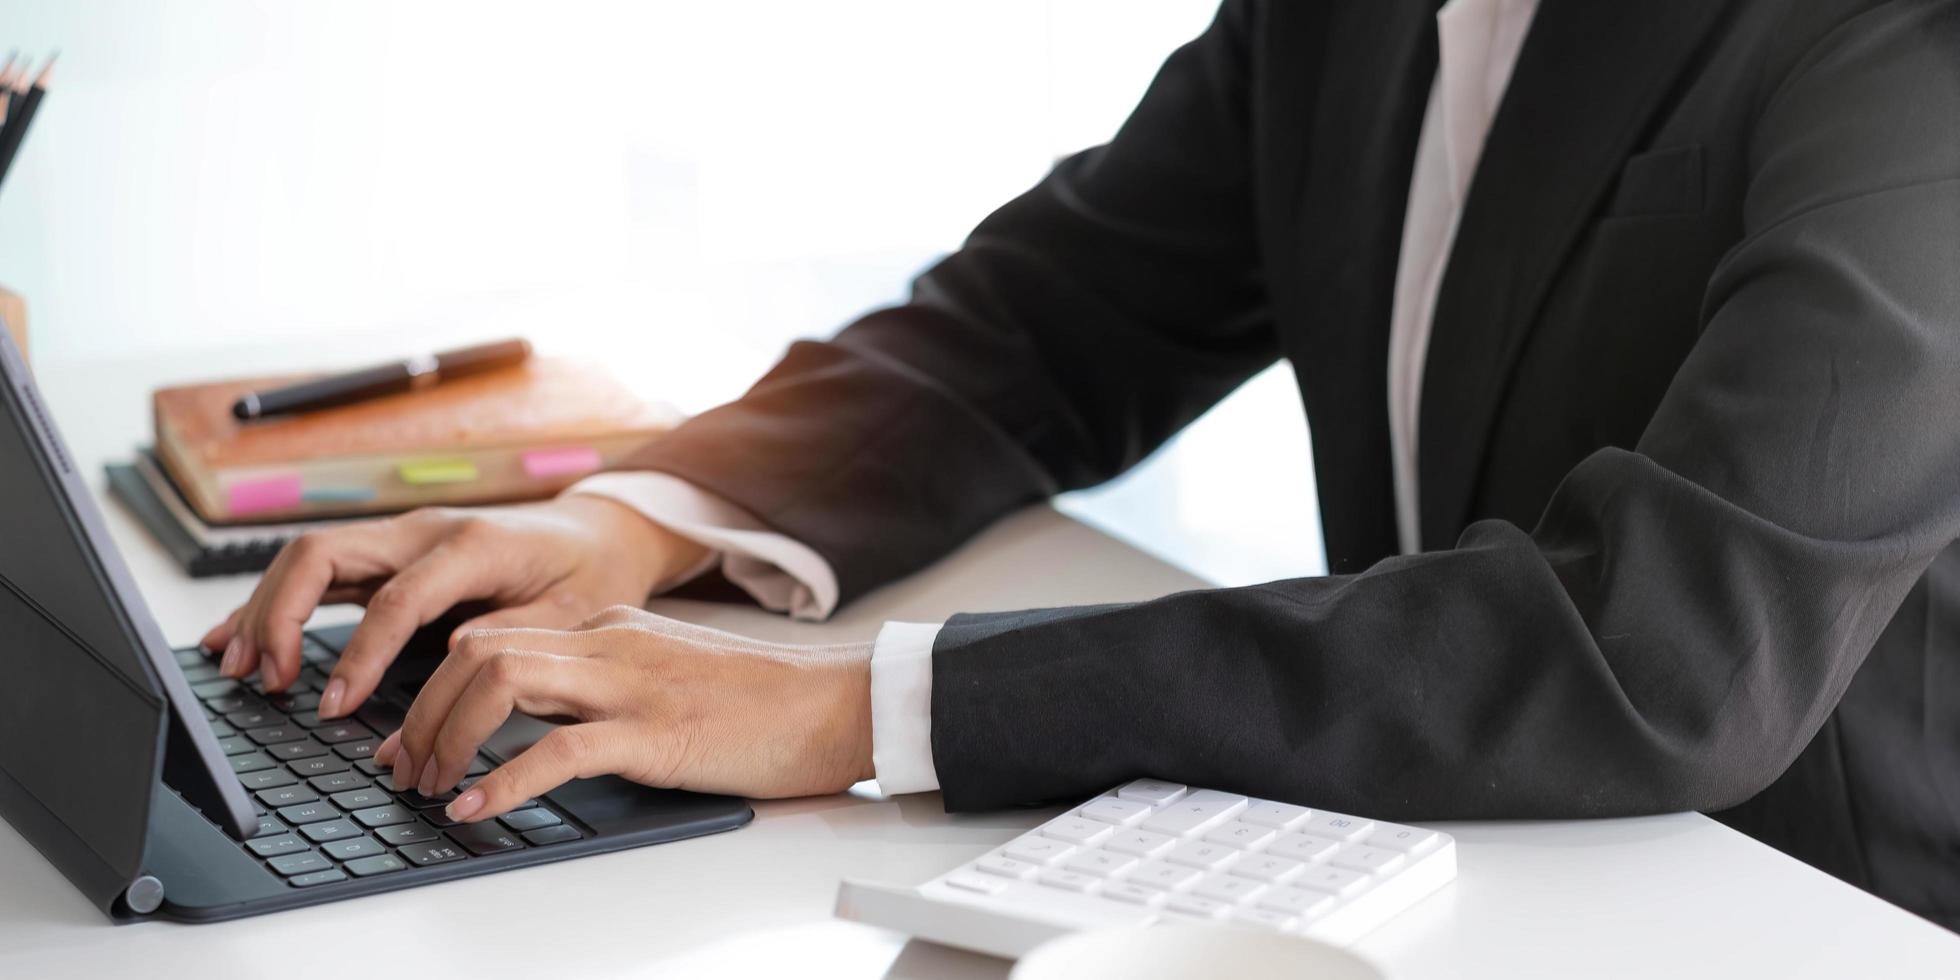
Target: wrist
(661,558)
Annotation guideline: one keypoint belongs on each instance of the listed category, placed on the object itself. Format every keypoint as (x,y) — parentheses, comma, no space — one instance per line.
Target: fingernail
(330,698)
(229,665)
(465,806)
(427,787)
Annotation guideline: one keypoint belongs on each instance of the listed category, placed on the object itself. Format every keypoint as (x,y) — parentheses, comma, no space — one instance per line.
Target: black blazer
(1690,432)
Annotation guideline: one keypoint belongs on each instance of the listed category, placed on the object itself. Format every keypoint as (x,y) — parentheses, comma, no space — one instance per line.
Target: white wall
(680,183)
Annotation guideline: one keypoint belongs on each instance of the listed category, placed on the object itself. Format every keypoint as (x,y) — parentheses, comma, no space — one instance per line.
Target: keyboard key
(1077,830)
(376,865)
(1163,874)
(1154,792)
(438,818)
(380,717)
(266,779)
(331,830)
(309,720)
(485,838)
(233,702)
(308,813)
(385,816)
(369,767)
(1074,881)
(269,825)
(414,799)
(318,766)
(1201,854)
(335,782)
(326,877)
(551,835)
(293,702)
(337,732)
(1264,918)
(1302,847)
(286,796)
(1240,834)
(1196,905)
(1369,860)
(407,833)
(1409,840)
(1195,812)
(1034,850)
(1124,891)
(274,734)
(1142,843)
(433,852)
(254,717)
(316,653)
(199,673)
(359,799)
(1101,863)
(302,749)
(1307,902)
(353,847)
(357,750)
(1279,816)
(222,688)
(477,767)
(1228,888)
(1109,809)
(236,745)
(220,727)
(1268,868)
(975,882)
(1328,878)
(1005,867)
(266,847)
(191,657)
(252,762)
(299,864)
(1339,826)
(532,819)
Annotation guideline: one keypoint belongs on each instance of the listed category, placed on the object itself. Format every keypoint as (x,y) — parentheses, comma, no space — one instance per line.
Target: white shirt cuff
(901,708)
(782,574)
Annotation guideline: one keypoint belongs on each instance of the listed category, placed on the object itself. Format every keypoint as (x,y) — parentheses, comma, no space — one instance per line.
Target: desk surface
(1674,896)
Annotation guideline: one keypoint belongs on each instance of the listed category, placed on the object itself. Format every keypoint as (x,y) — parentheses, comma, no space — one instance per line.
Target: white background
(680,187)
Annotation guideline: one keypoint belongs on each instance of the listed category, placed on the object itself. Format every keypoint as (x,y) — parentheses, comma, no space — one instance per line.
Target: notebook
(520,433)
(203,550)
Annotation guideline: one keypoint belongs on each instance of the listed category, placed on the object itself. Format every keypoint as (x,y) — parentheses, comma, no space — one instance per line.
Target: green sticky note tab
(422,472)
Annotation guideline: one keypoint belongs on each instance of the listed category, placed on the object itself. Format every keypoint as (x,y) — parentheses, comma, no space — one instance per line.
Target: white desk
(1668,896)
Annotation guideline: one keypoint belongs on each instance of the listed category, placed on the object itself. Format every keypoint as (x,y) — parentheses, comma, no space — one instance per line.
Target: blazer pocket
(1659,182)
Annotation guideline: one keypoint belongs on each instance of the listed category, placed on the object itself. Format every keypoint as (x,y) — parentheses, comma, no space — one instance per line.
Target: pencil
(7,85)
(22,114)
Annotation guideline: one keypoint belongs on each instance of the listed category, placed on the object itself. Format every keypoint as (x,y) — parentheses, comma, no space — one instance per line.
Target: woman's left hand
(656,700)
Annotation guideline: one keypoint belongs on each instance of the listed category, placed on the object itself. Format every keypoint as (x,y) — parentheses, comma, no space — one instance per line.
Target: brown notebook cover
(520,433)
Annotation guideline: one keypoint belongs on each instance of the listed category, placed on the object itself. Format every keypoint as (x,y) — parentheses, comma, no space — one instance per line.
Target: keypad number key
(1279,816)
(1339,826)
(1114,810)
(1077,830)
(1155,792)
(1195,812)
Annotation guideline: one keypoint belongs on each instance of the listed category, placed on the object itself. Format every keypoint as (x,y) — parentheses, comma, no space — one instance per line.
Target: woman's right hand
(549,565)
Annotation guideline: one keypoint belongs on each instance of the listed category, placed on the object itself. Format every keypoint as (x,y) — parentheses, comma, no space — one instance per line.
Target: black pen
(383,379)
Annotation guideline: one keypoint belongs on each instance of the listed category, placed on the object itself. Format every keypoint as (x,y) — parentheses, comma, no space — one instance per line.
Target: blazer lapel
(1588,78)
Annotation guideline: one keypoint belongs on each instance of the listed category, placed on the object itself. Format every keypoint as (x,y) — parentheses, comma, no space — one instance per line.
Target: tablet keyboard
(1155,851)
(327,811)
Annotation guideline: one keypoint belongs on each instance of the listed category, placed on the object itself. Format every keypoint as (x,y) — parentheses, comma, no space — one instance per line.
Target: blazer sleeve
(1684,616)
(1080,326)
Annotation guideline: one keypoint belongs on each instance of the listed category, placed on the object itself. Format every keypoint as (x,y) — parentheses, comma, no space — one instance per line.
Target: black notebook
(202,549)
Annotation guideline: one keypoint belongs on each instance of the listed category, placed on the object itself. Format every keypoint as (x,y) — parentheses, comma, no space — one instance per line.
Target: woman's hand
(550,564)
(656,700)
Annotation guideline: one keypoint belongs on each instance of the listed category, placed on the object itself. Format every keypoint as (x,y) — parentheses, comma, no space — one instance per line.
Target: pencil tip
(47,71)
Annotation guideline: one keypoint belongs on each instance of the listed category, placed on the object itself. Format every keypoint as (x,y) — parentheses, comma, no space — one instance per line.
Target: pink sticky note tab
(254,496)
(543,464)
